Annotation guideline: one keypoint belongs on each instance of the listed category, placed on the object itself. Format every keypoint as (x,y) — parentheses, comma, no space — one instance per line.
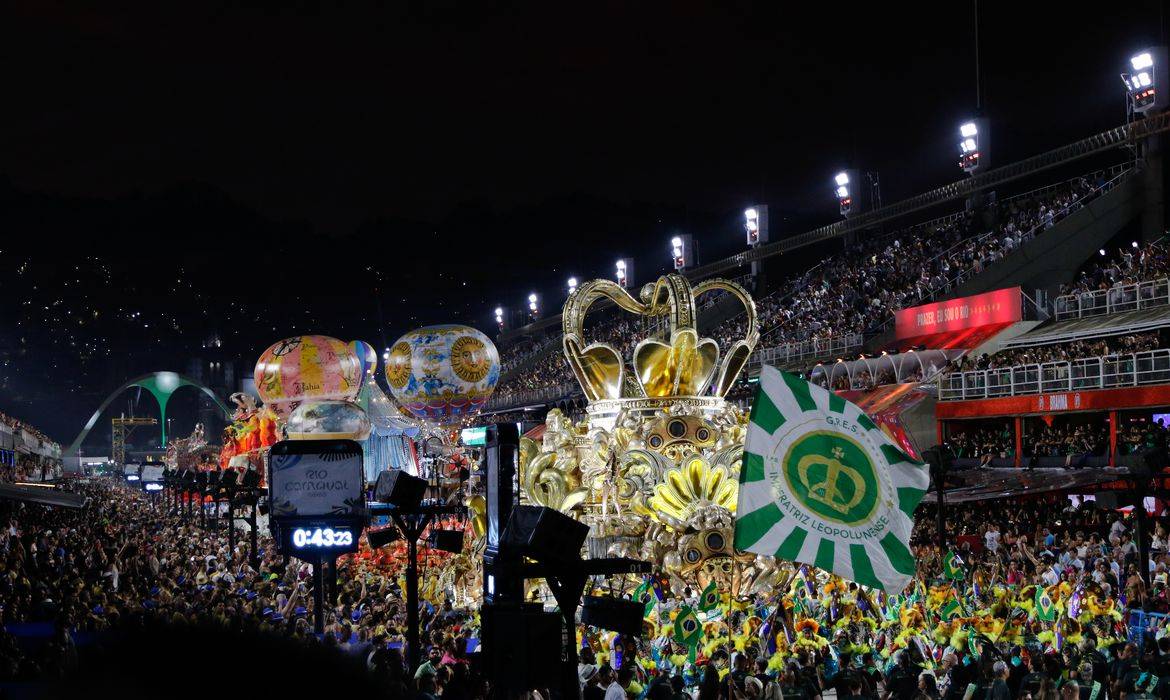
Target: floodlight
(972,143)
(682,251)
(755,224)
(624,272)
(842,179)
(842,192)
(1142,86)
(1142,60)
(572,284)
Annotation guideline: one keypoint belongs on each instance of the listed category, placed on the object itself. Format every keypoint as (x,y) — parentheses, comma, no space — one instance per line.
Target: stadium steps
(1055,256)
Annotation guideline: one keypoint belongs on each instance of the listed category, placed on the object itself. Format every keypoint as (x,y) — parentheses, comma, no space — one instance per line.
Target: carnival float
(652,467)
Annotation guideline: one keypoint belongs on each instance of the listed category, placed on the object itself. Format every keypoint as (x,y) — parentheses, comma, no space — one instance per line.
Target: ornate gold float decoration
(653,467)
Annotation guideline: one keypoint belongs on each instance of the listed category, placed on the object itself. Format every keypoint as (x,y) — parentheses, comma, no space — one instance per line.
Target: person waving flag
(953,567)
(821,484)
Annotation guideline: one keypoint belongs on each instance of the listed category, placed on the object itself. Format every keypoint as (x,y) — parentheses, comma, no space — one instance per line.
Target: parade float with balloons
(316,387)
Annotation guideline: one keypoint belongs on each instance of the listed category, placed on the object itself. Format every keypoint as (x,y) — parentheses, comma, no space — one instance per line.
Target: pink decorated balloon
(307,367)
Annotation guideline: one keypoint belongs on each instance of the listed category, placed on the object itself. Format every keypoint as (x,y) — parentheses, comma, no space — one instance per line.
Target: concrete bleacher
(1054,258)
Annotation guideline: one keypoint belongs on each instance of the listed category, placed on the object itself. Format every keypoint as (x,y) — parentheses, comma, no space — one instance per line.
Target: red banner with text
(1003,306)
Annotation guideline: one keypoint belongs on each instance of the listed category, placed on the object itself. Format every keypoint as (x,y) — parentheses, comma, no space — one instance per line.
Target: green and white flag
(821,484)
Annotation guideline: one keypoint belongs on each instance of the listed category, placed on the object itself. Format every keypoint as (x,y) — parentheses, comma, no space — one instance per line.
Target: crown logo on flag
(674,361)
(828,491)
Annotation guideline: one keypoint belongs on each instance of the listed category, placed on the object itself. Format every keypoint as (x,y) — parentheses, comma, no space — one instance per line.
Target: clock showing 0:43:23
(322,537)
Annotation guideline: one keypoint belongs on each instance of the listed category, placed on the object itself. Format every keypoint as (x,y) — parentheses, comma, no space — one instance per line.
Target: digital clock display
(324,537)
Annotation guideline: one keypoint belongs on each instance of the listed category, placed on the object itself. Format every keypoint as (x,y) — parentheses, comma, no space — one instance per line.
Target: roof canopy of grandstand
(41,494)
(998,483)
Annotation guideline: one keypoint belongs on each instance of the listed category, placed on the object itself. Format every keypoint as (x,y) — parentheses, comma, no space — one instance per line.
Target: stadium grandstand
(26,453)
(1018,316)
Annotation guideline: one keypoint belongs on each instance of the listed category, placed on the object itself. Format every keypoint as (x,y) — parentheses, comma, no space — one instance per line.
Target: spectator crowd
(123,562)
(855,291)
(1067,440)
(1060,352)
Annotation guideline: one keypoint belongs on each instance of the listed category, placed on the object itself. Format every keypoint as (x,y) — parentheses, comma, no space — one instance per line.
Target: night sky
(167,177)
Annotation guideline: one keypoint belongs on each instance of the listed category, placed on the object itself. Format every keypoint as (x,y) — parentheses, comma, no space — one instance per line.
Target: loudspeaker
(500,456)
(398,488)
(251,479)
(201,480)
(189,476)
(228,480)
(447,540)
(522,647)
(381,538)
(614,614)
(544,534)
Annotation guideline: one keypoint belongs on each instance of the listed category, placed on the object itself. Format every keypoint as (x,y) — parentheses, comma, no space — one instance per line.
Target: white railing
(1088,373)
(1125,297)
(820,348)
(531,397)
(1102,174)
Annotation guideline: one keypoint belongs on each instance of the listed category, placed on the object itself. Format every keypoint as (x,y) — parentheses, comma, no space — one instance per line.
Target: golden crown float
(653,467)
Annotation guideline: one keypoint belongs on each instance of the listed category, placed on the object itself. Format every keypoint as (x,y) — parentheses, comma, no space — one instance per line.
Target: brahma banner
(1001,307)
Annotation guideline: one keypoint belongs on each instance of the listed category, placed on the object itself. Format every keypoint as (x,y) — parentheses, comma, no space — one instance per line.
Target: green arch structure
(161,385)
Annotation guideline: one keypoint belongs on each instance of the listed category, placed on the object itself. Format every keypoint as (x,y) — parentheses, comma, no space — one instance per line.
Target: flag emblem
(822,485)
(709,598)
(953,567)
(1045,610)
(688,631)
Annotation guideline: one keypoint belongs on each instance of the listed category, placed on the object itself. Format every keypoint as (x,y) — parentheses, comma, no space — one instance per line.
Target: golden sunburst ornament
(692,486)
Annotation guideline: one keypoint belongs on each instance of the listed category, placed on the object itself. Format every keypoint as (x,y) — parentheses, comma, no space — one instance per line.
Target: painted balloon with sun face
(307,368)
(443,373)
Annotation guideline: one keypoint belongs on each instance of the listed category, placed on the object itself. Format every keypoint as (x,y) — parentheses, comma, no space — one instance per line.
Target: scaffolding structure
(122,427)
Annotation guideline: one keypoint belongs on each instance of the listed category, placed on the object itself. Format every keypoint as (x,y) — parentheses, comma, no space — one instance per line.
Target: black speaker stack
(544,534)
(526,652)
(400,489)
(614,614)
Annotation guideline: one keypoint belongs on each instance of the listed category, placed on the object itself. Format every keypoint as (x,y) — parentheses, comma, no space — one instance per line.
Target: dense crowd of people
(1114,277)
(859,289)
(20,461)
(16,425)
(1067,440)
(124,562)
(1060,352)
